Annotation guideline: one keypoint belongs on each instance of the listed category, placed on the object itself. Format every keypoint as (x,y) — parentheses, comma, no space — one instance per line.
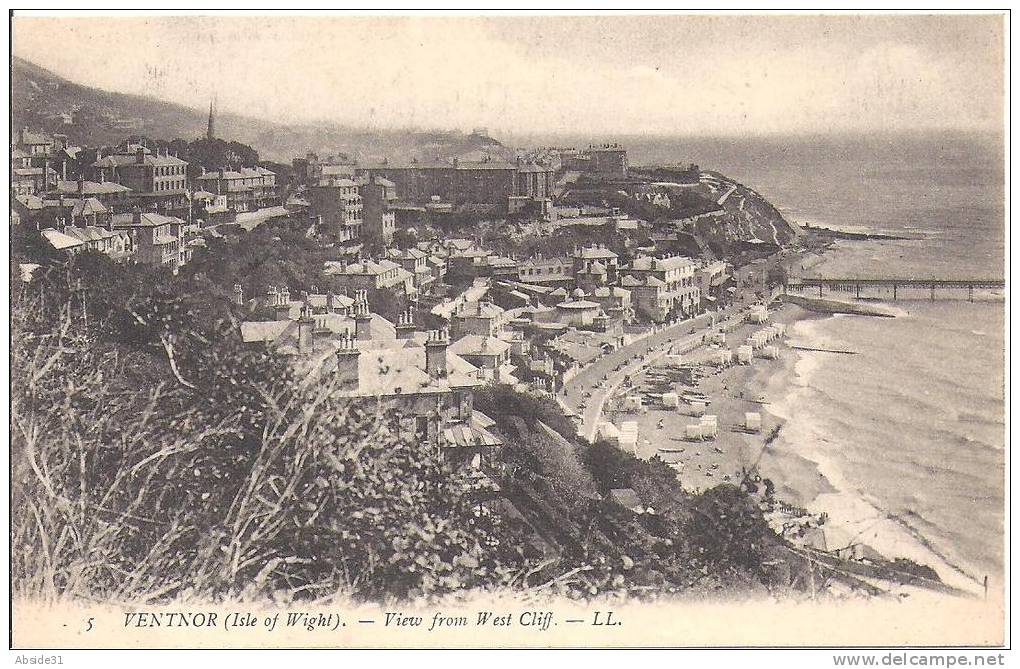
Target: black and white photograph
(526,329)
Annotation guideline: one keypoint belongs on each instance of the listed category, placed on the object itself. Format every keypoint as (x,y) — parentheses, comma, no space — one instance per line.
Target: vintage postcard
(533,330)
